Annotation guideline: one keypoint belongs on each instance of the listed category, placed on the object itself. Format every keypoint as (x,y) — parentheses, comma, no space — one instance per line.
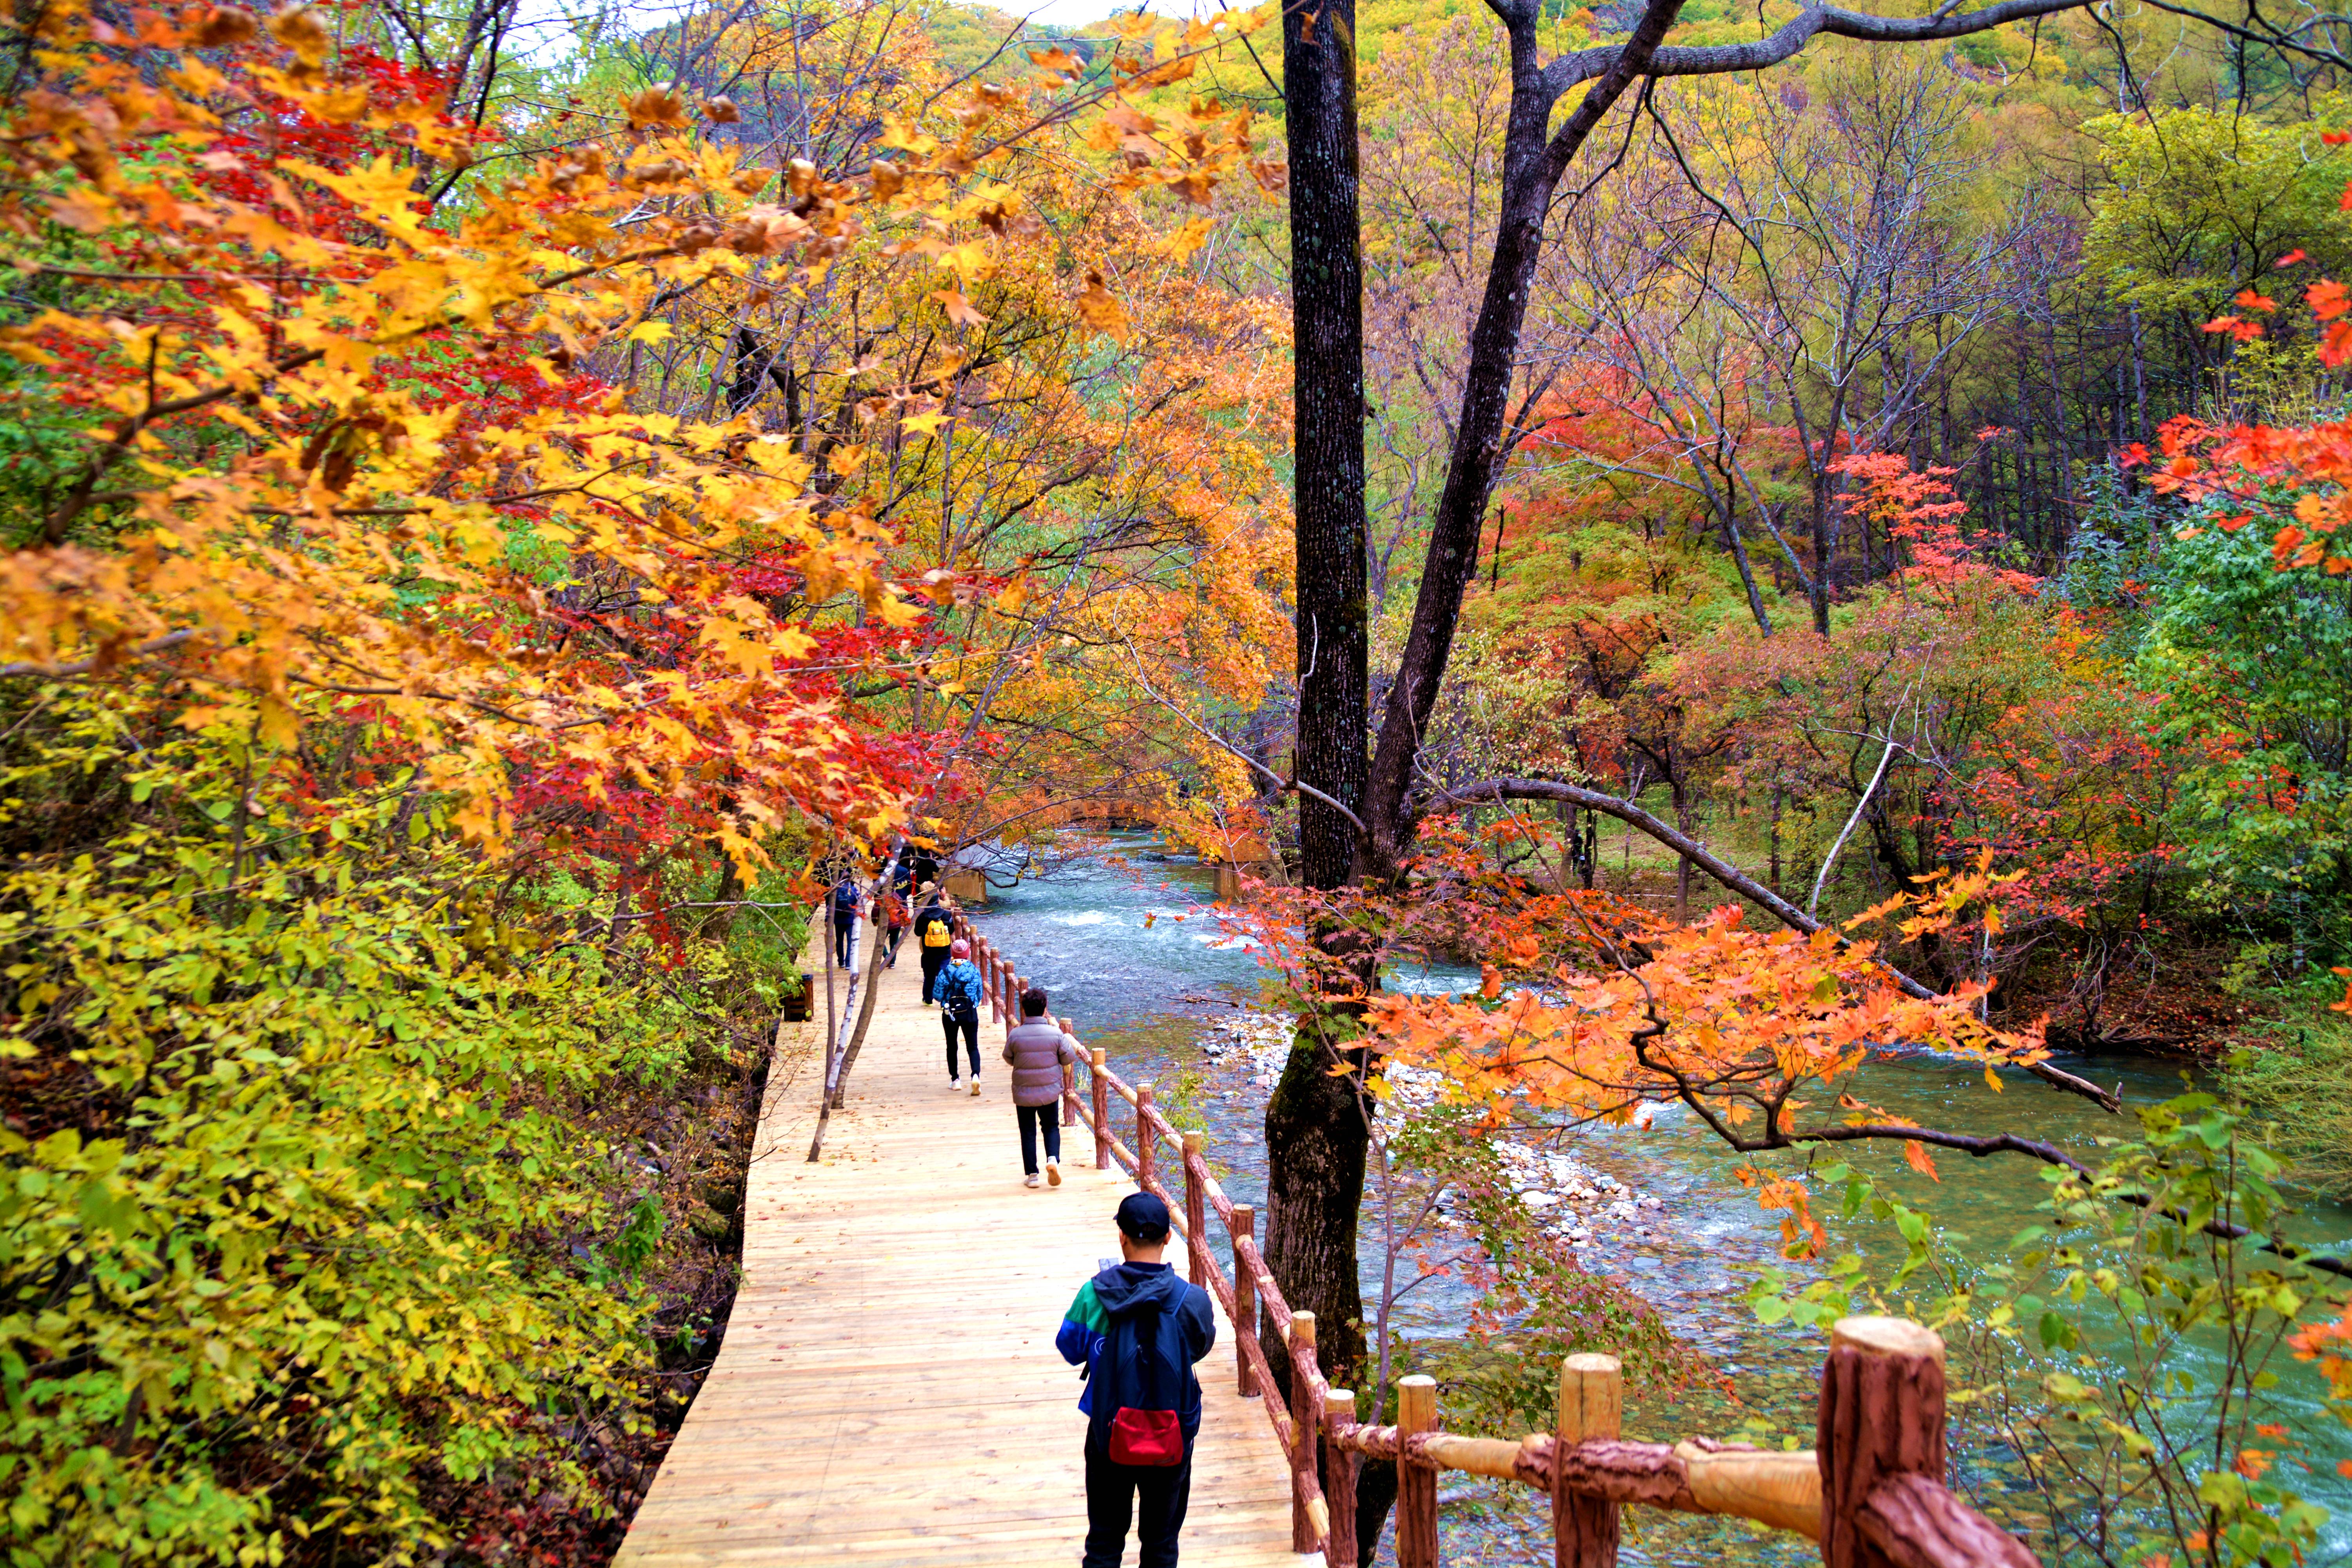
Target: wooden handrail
(1870,1490)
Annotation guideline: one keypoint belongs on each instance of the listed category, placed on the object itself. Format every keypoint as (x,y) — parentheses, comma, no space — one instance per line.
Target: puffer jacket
(960,989)
(1035,1049)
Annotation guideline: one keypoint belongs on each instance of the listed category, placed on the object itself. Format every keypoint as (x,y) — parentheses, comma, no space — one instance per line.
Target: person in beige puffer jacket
(1035,1049)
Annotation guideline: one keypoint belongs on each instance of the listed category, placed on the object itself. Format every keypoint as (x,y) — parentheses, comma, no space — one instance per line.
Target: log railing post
(1592,1401)
(1069,1080)
(1416,1505)
(1882,1416)
(1143,1137)
(1306,1432)
(1196,1205)
(1340,1466)
(1099,1087)
(1244,1295)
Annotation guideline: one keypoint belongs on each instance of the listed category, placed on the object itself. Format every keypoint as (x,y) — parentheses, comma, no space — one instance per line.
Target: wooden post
(1099,1085)
(1244,1295)
(1592,1401)
(1340,1466)
(1416,1505)
(1069,1079)
(1882,1415)
(1143,1137)
(1306,1431)
(1196,1203)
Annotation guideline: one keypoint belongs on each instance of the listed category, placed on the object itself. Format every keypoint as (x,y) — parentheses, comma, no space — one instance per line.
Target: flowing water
(1135,959)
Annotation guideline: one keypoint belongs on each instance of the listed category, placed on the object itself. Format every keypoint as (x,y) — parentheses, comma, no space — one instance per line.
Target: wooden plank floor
(887,1391)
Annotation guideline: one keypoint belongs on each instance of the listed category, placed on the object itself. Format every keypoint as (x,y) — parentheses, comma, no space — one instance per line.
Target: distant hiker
(934,928)
(845,899)
(959,991)
(897,906)
(1138,1328)
(1035,1049)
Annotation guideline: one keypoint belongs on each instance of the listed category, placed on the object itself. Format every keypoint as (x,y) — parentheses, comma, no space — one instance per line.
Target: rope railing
(1870,1492)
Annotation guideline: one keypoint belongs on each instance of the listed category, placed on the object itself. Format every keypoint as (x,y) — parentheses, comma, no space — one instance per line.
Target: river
(1143,968)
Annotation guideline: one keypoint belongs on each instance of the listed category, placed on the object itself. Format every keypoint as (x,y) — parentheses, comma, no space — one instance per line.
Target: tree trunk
(1739,548)
(1682,862)
(1317,1138)
(1824,549)
(1328,389)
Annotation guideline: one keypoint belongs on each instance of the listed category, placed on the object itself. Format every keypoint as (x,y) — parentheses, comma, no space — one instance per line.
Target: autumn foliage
(421,736)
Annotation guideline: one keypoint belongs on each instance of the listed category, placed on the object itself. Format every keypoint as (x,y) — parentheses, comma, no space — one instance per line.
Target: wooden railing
(1870,1492)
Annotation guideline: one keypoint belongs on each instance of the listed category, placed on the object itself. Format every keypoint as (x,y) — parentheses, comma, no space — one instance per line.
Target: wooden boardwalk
(887,1391)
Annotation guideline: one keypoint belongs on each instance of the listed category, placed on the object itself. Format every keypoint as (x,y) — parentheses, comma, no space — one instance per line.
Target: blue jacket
(1125,1288)
(959,987)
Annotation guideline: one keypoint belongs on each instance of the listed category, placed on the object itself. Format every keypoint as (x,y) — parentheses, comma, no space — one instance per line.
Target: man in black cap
(1138,1329)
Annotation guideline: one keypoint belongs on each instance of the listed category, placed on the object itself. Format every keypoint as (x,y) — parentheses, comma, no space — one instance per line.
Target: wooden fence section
(1871,1491)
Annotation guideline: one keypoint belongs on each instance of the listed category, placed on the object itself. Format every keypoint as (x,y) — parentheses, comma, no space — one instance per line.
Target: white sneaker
(1030,1180)
(1053,1172)
(956,1083)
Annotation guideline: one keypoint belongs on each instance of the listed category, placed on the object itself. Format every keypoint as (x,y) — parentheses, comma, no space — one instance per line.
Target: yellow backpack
(937,934)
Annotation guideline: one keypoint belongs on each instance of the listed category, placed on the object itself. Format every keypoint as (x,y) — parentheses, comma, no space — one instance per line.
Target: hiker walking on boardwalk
(959,991)
(1035,1049)
(934,929)
(845,899)
(1138,1329)
(899,903)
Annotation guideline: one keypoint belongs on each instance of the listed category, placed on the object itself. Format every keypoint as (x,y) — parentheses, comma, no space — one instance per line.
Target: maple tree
(428,690)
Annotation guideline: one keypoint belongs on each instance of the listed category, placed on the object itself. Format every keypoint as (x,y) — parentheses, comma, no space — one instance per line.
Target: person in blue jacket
(1142,1400)
(959,990)
(846,901)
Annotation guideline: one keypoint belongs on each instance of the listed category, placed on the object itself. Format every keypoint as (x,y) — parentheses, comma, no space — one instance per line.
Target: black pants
(970,1024)
(934,959)
(842,930)
(1036,1119)
(1166,1490)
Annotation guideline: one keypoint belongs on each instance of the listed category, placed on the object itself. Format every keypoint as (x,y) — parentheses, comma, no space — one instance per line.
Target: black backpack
(1138,1388)
(844,896)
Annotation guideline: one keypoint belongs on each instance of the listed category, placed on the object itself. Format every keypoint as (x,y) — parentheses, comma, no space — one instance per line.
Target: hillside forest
(1772,535)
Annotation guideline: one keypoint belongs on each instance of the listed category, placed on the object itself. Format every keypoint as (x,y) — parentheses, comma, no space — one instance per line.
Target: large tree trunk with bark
(1328,388)
(1316,1133)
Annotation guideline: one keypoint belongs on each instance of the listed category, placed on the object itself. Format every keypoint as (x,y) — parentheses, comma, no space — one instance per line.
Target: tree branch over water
(1737,881)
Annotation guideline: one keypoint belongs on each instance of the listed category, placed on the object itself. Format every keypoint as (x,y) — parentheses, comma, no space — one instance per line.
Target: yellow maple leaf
(959,309)
(1101,312)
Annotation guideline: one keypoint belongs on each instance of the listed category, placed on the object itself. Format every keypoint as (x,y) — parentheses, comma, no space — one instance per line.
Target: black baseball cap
(1142,1217)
